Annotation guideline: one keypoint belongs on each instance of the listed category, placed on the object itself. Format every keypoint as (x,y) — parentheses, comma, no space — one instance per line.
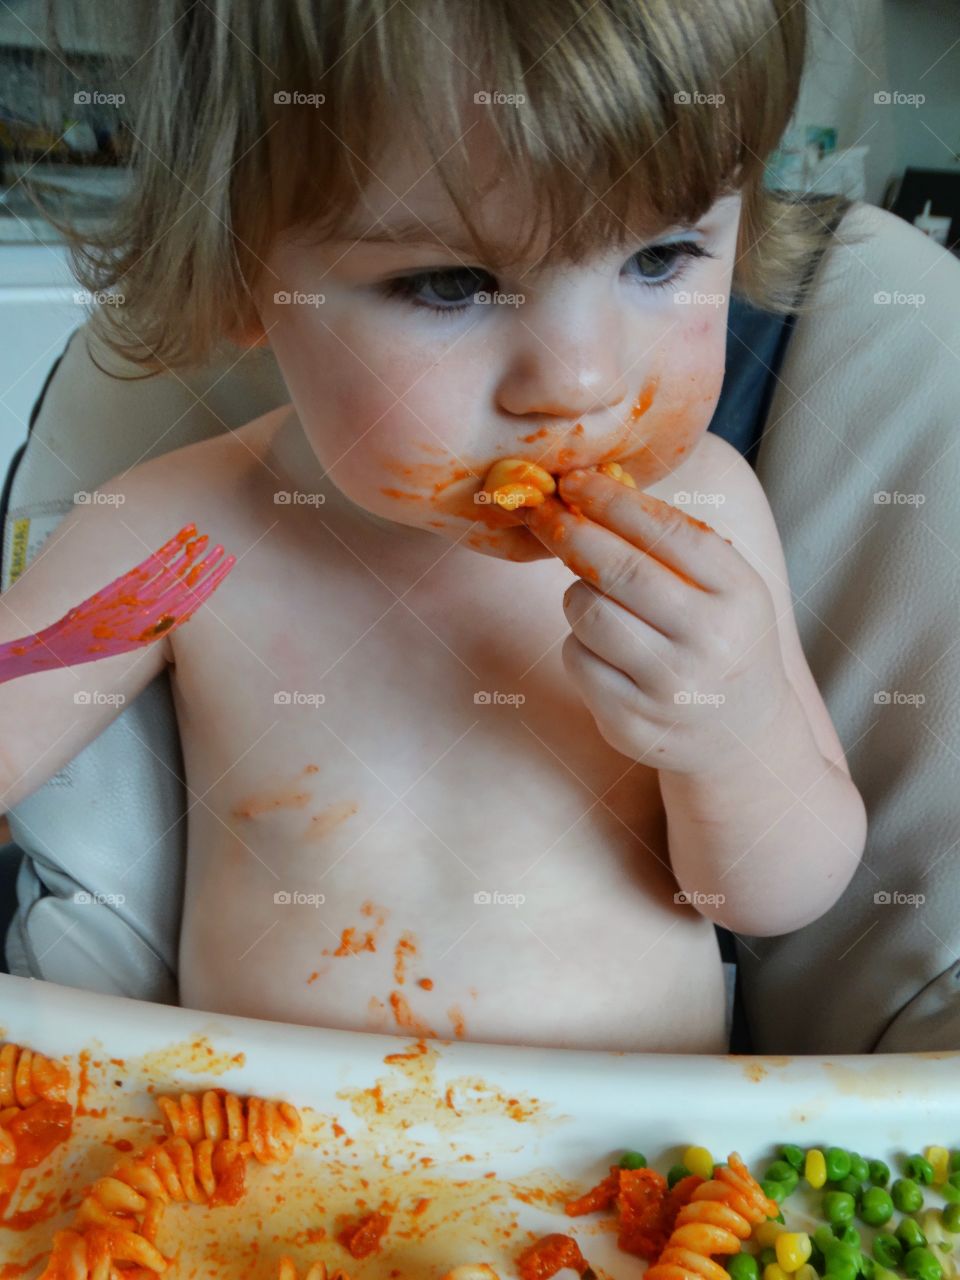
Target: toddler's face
(419,368)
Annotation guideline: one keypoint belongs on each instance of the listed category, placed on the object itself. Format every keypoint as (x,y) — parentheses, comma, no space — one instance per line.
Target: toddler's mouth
(514,482)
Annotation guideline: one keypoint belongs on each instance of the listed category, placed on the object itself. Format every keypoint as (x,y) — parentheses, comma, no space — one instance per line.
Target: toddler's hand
(674,643)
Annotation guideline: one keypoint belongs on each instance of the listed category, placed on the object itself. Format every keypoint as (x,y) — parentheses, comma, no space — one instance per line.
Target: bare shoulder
(206,484)
(717,485)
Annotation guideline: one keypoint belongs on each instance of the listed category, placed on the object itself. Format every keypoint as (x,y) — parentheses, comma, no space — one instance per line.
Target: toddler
(459,766)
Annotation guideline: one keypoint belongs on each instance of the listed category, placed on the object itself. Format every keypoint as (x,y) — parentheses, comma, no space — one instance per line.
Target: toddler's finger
(684,544)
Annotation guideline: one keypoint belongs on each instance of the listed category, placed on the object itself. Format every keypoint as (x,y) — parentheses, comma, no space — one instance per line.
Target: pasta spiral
(271,1128)
(719,1215)
(33,1092)
(90,1255)
(26,1077)
(118,1218)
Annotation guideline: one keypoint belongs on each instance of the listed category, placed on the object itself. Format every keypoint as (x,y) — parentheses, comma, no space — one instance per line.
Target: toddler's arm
(772,835)
(48,717)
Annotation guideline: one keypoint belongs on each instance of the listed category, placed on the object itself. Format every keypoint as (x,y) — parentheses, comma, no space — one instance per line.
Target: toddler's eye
(442,290)
(661,263)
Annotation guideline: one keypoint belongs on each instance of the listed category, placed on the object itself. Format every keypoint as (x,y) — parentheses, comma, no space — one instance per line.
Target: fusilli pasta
(26,1077)
(720,1214)
(118,1218)
(33,1098)
(271,1128)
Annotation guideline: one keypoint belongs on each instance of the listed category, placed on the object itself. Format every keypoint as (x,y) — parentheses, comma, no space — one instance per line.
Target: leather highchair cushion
(860,464)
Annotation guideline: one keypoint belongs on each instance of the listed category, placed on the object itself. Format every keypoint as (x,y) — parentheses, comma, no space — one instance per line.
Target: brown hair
(659,105)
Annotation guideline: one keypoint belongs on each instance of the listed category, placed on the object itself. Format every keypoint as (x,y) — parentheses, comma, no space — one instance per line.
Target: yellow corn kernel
(765,1233)
(806,1272)
(793,1249)
(614,470)
(939,1158)
(815,1168)
(699,1161)
(514,482)
(773,1271)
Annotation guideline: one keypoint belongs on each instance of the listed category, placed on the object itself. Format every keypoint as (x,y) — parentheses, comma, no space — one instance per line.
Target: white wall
(924,55)
(846,66)
(863,47)
(39,308)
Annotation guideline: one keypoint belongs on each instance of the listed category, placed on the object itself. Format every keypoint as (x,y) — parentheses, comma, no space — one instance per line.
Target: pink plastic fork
(136,609)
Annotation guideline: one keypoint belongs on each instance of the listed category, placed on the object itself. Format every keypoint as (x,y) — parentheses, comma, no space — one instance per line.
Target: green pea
(794,1156)
(909,1234)
(954,1180)
(677,1172)
(907,1195)
(817,1260)
(867,1266)
(838,1163)
(777,1191)
(743,1266)
(950,1217)
(850,1185)
(882,1273)
(848,1235)
(824,1239)
(876,1207)
(841,1267)
(859,1168)
(955,1161)
(767,1256)
(921,1264)
(879,1173)
(633,1160)
(919,1169)
(950,1192)
(781,1171)
(838,1207)
(887,1249)
(840,1253)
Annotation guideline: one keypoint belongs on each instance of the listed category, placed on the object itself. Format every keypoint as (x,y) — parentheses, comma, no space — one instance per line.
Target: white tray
(545,1123)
